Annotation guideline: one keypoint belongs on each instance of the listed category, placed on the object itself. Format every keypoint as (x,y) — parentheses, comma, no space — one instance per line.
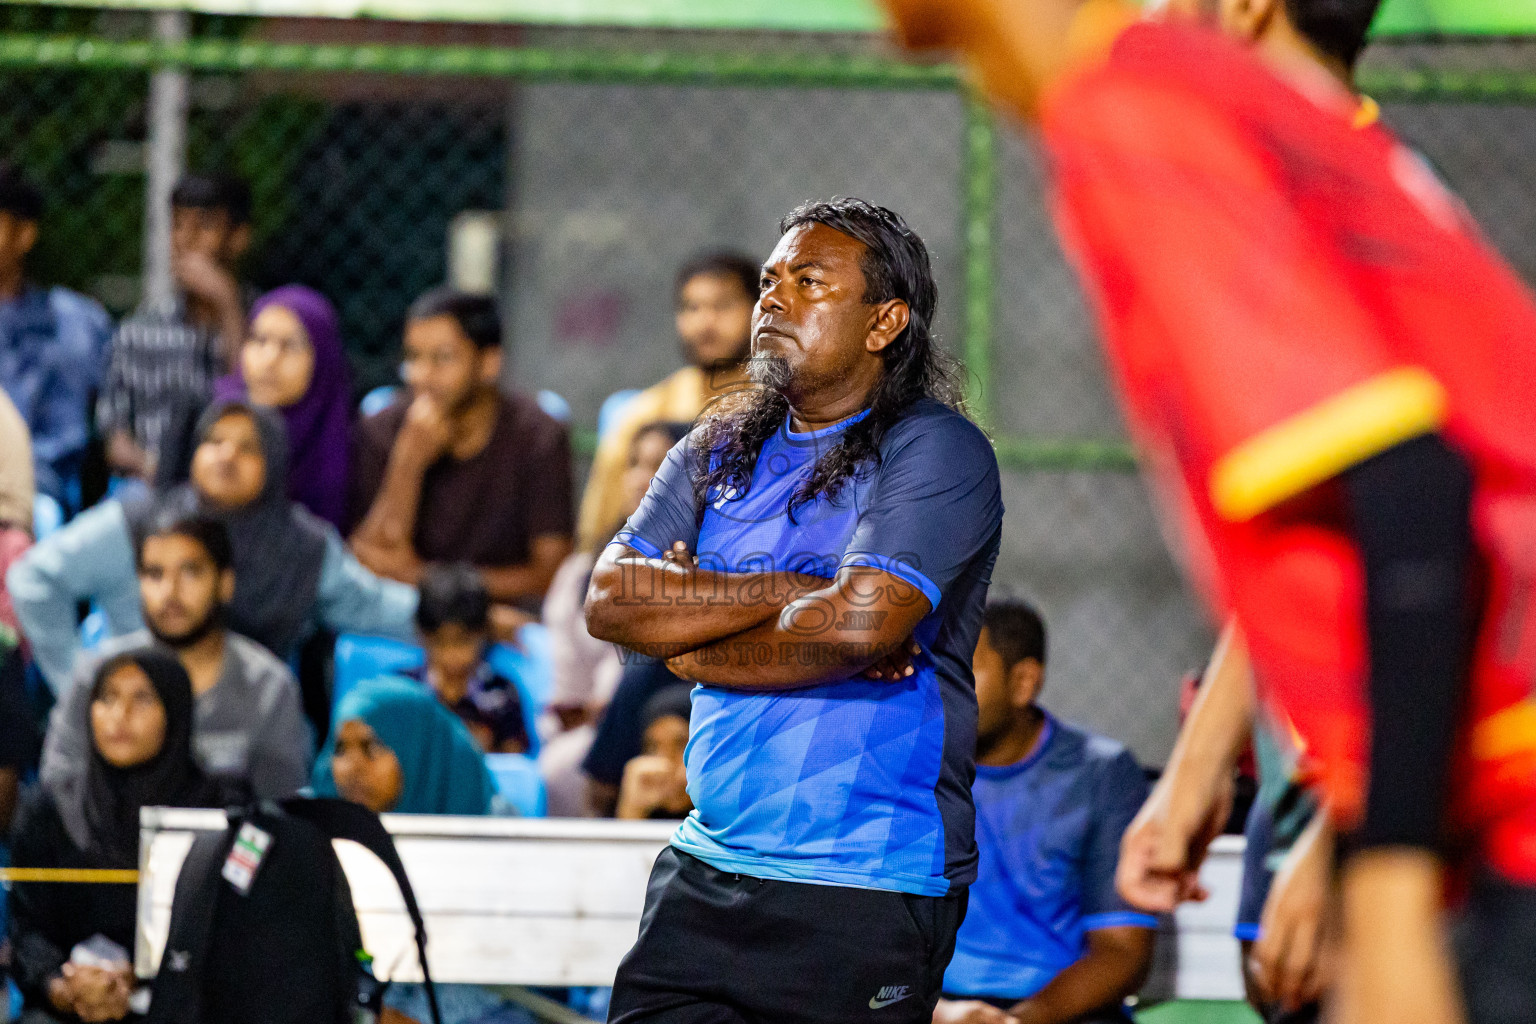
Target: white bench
(549,901)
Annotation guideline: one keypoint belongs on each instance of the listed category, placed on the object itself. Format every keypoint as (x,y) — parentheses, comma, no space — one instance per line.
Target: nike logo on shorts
(888,995)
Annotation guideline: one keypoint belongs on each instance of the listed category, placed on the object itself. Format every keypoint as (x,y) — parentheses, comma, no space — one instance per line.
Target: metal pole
(980,241)
(164,157)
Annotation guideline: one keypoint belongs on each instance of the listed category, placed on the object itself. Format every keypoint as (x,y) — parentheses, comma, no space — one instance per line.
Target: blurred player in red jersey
(1331,378)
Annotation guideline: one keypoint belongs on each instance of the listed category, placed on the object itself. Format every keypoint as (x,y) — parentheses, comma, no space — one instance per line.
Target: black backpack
(263,930)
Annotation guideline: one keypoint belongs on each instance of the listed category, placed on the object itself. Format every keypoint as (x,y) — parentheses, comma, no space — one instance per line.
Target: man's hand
(969,1011)
(426,433)
(507,622)
(648,781)
(1395,968)
(1295,958)
(679,555)
(127,458)
(895,666)
(1162,850)
(202,277)
(98,994)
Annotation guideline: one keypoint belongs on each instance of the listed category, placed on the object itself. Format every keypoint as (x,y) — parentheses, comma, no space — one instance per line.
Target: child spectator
(139,718)
(1046,938)
(453,617)
(292,571)
(164,360)
(293,361)
(52,341)
(586,670)
(656,782)
(248,727)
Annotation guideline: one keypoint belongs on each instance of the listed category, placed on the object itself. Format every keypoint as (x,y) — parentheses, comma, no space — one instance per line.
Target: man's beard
(770,371)
(189,637)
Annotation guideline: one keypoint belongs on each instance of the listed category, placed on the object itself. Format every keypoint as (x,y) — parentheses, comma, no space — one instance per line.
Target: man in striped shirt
(165,358)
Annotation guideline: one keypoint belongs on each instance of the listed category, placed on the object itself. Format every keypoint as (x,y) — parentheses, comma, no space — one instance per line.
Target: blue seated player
(454,620)
(1046,939)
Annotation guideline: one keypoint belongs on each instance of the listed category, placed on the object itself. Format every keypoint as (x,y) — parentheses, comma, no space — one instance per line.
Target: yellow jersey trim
(1367,113)
(1312,446)
(1506,733)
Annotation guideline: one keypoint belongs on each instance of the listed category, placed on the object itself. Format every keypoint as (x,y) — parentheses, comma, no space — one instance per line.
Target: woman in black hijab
(141,756)
(293,572)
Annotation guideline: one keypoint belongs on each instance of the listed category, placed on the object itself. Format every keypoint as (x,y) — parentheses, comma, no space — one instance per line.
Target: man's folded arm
(861,617)
(664,609)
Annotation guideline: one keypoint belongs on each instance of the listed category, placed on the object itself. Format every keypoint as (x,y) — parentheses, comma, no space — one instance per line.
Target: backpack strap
(178,987)
(342,819)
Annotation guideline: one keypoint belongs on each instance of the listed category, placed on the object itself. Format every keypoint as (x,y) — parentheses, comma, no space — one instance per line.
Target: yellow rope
(90,876)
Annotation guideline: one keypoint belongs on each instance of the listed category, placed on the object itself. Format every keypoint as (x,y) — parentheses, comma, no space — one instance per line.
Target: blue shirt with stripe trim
(1049,830)
(855,782)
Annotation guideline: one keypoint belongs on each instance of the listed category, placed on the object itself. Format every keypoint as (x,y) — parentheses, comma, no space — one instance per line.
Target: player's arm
(664,607)
(1411,512)
(1113,965)
(1163,848)
(861,617)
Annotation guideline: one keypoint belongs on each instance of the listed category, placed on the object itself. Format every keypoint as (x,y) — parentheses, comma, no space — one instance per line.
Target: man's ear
(1024,682)
(226,586)
(1250,19)
(891,318)
(26,236)
(239,241)
(490,365)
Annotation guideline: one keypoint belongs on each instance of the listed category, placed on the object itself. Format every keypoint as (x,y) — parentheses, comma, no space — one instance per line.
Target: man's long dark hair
(896,266)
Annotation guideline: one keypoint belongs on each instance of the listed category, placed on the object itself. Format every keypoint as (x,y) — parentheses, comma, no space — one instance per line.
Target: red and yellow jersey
(1284,294)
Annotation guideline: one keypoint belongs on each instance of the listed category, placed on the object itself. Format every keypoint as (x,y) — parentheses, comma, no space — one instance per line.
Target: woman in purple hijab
(292,361)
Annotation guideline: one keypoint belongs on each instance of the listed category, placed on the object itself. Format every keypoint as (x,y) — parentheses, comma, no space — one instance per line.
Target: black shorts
(722,948)
(1495,939)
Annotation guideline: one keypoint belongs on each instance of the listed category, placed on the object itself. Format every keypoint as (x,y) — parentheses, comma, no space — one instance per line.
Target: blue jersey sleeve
(936,504)
(667,514)
(1121,791)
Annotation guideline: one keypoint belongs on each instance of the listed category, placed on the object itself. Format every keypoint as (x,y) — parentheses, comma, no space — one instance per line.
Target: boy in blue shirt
(1046,940)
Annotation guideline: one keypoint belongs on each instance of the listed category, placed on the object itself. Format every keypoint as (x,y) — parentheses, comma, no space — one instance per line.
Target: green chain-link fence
(611,156)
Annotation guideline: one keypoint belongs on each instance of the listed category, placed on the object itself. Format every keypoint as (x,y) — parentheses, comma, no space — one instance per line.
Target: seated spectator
(715,295)
(16,501)
(52,343)
(164,359)
(587,671)
(456,471)
(248,729)
(292,360)
(656,783)
(139,718)
(619,736)
(291,569)
(454,619)
(1046,937)
(395,748)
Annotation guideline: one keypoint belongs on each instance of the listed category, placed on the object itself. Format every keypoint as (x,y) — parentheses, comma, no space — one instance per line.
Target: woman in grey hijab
(292,570)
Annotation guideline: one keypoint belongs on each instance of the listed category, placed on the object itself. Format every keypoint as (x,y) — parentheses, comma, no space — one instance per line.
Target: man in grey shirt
(249,725)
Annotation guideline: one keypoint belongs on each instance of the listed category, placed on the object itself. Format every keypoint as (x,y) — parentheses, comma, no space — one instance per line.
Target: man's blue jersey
(855,782)
(1049,830)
